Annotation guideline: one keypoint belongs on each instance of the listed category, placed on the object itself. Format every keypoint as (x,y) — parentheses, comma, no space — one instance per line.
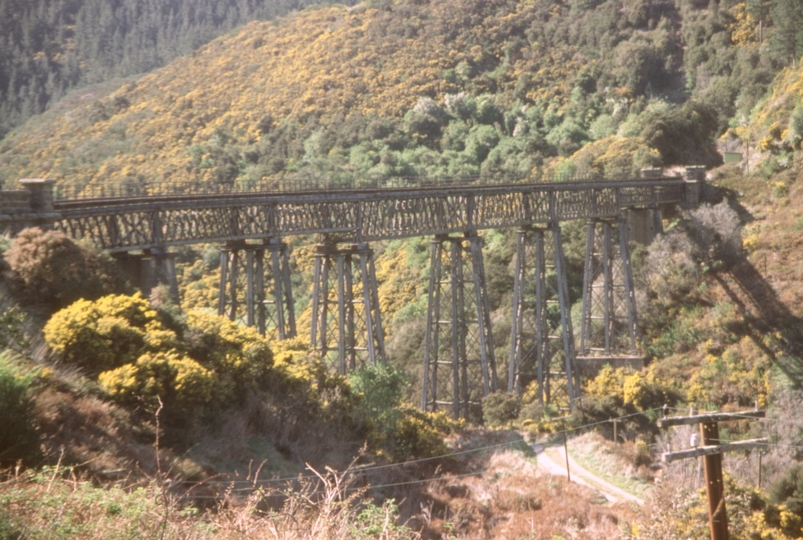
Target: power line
(421,460)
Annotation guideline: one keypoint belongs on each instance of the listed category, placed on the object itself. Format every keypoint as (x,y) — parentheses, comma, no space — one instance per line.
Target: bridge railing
(301,184)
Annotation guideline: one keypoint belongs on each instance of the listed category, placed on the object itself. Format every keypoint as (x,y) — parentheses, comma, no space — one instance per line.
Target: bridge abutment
(459,364)
(644,224)
(150,268)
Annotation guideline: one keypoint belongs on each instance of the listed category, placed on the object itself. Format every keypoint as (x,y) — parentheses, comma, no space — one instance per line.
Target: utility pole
(711,449)
(566,452)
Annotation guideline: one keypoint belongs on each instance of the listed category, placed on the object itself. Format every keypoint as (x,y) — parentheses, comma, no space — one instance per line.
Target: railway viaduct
(140,224)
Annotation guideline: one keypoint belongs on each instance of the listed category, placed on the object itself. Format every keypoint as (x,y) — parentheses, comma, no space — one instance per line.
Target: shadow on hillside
(773,318)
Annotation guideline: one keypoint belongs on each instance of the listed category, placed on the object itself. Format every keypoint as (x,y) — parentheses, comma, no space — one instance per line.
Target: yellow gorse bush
(121,341)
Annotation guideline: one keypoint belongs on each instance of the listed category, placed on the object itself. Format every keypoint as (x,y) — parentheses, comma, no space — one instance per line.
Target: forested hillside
(49,47)
(395,88)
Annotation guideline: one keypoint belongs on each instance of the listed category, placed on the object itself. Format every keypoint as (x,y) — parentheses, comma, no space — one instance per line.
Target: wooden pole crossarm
(708,418)
(669,457)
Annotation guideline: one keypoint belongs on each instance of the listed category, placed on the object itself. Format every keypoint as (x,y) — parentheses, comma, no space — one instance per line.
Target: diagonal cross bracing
(459,365)
(542,351)
(609,305)
(255,286)
(346,325)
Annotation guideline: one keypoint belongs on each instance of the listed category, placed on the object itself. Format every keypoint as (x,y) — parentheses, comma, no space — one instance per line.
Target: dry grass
(506,498)
(511,499)
(54,503)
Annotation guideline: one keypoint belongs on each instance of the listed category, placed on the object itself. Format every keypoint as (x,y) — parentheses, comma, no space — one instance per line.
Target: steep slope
(402,88)
(48,47)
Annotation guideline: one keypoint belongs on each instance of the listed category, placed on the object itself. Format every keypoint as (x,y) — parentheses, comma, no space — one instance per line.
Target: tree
(786,42)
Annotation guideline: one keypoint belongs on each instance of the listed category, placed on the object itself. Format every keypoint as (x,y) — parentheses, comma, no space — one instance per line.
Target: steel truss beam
(541,340)
(346,323)
(609,303)
(459,364)
(254,292)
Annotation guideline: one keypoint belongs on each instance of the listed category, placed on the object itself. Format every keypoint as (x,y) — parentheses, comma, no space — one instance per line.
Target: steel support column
(541,340)
(241,293)
(151,268)
(459,365)
(254,292)
(279,309)
(609,304)
(346,323)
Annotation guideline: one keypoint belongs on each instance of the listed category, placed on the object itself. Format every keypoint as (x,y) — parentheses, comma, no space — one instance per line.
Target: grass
(54,503)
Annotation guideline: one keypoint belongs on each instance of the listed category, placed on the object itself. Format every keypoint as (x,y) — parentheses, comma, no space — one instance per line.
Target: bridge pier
(644,224)
(609,303)
(150,268)
(345,307)
(265,287)
(541,340)
(459,364)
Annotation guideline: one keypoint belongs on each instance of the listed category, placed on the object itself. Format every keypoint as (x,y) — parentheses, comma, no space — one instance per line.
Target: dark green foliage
(12,335)
(499,408)
(683,134)
(18,437)
(48,47)
(380,386)
(787,41)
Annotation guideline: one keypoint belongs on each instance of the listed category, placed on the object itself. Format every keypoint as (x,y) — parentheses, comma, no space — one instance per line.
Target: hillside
(49,47)
(418,88)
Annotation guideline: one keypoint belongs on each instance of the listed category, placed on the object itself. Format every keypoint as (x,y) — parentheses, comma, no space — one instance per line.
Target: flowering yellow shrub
(178,380)
(419,434)
(104,334)
(609,382)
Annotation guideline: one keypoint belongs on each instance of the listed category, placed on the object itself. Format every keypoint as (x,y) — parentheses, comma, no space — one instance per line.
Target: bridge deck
(357,215)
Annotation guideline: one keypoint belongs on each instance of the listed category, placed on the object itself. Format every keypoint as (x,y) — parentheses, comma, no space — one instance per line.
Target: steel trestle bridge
(459,365)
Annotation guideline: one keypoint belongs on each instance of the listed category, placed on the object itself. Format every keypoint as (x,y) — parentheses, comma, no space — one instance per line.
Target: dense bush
(418,434)
(53,270)
(196,366)
(380,388)
(717,234)
(105,334)
(19,439)
(500,408)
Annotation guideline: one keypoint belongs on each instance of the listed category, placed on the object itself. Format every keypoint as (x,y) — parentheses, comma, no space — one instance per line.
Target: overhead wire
(421,460)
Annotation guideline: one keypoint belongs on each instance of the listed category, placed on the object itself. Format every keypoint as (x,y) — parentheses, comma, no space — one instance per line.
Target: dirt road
(580,475)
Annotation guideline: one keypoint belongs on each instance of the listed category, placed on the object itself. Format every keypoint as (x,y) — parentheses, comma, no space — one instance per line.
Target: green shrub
(788,493)
(499,408)
(18,437)
(12,335)
(380,387)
